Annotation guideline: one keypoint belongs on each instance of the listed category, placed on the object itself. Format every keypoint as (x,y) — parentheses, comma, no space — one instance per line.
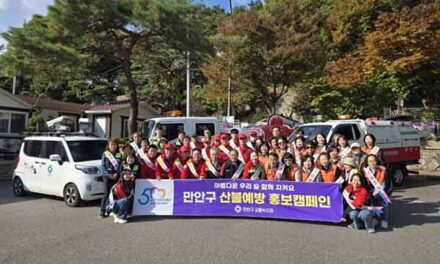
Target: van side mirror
(56,157)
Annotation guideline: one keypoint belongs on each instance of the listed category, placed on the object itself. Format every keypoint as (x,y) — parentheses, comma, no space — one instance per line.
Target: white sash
(179,165)
(346,196)
(296,153)
(249,144)
(162,164)
(205,154)
(233,145)
(257,173)
(225,150)
(135,148)
(280,170)
(192,145)
(323,149)
(147,161)
(238,172)
(192,169)
(315,157)
(376,184)
(212,168)
(313,175)
(340,180)
(375,150)
(112,159)
(240,156)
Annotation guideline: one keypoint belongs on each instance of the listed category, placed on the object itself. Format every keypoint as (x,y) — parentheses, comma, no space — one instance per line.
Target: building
(111,120)
(50,109)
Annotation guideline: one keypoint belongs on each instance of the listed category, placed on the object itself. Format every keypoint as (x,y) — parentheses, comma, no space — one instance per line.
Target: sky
(13,13)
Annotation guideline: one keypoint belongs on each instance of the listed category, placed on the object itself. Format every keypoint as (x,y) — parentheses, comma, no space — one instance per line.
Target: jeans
(108,184)
(362,218)
(120,208)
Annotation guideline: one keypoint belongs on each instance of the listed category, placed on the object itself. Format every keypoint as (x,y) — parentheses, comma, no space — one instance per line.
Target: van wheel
(399,174)
(71,195)
(18,187)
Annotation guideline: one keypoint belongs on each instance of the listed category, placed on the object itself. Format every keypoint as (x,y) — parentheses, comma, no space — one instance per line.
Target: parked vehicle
(264,130)
(399,140)
(62,165)
(171,126)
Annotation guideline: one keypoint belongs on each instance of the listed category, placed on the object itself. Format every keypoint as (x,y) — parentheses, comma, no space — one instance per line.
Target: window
(124,133)
(346,130)
(12,122)
(171,131)
(55,147)
(357,133)
(33,148)
(18,123)
(148,129)
(87,150)
(310,132)
(4,122)
(200,127)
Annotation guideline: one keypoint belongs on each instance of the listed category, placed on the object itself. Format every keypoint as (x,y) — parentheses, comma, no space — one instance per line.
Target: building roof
(13,101)
(60,106)
(112,107)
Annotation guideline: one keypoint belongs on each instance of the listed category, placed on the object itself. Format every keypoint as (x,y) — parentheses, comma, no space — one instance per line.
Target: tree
(281,46)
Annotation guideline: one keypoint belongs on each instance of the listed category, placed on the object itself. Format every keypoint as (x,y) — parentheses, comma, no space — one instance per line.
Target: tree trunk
(134,104)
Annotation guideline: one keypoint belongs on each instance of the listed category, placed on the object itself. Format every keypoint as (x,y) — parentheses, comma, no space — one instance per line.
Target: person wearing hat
(233,142)
(359,157)
(224,148)
(245,151)
(179,165)
(164,163)
(217,140)
(195,167)
(349,168)
(252,143)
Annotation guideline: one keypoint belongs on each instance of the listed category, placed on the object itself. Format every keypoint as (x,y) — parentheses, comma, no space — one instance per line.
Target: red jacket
(245,152)
(222,156)
(177,174)
(147,172)
(200,168)
(160,172)
(249,170)
(360,196)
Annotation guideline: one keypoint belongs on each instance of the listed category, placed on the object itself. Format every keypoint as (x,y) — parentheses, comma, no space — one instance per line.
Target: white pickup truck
(399,140)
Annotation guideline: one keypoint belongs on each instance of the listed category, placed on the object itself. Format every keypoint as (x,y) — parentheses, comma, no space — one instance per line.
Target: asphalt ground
(42,229)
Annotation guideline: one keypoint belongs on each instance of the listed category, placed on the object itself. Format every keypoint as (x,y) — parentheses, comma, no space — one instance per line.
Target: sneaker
(384,224)
(350,226)
(103,215)
(371,231)
(120,220)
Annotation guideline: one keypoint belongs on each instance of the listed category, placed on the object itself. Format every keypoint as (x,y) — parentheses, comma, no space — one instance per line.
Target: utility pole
(188,84)
(229,67)
(14,84)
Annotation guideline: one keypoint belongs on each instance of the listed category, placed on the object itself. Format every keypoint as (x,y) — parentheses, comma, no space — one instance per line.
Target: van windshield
(147,128)
(310,132)
(87,149)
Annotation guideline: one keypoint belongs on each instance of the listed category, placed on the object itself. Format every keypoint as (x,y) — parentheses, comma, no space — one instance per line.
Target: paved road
(40,229)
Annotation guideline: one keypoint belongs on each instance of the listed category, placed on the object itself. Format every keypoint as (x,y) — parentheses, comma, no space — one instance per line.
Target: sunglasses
(309,147)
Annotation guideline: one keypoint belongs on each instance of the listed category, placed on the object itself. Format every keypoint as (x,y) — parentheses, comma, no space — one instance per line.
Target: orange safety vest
(291,173)
(304,175)
(330,175)
(380,173)
(270,173)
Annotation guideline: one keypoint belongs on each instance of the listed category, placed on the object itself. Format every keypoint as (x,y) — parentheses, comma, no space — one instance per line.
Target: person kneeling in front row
(358,199)
(120,196)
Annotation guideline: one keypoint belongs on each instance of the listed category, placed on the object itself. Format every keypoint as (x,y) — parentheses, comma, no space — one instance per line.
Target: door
(31,162)
(53,173)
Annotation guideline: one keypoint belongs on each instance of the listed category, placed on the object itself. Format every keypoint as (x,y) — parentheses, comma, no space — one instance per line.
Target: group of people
(358,169)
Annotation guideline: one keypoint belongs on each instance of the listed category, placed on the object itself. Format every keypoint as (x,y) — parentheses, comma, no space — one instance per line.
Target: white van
(67,166)
(171,126)
(399,140)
